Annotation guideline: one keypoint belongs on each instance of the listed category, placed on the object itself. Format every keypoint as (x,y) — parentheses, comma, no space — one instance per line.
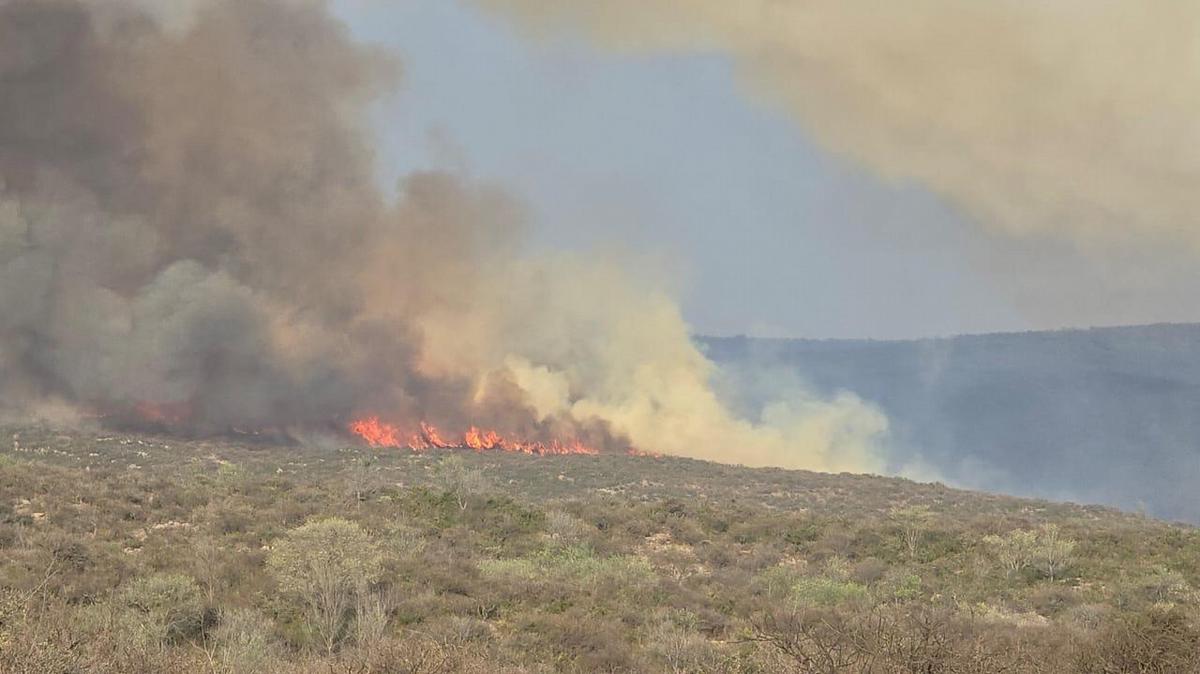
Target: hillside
(1106,415)
(141,553)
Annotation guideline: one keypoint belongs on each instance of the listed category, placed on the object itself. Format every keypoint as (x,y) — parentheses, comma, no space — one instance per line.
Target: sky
(762,230)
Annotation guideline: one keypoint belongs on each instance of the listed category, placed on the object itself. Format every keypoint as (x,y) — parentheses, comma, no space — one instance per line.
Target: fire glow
(377,433)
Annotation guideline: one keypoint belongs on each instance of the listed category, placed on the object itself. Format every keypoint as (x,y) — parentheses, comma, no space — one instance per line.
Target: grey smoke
(188,217)
(191,235)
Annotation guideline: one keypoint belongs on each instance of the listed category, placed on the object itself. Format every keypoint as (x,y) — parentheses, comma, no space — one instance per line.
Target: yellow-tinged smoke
(1074,119)
(582,339)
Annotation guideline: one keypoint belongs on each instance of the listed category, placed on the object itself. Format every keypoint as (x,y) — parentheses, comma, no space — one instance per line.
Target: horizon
(932,337)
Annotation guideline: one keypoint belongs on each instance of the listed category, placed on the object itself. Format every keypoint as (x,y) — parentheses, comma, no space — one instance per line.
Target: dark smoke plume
(191,237)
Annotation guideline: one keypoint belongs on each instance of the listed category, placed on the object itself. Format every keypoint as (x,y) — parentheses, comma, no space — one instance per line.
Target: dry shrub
(245,643)
(1152,642)
(576,640)
(564,528)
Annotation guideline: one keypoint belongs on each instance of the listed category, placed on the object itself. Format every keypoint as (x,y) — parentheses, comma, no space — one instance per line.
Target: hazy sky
(767,233)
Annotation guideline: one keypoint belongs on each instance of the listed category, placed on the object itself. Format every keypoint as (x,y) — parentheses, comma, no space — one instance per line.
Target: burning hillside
(426,436)
(192,239)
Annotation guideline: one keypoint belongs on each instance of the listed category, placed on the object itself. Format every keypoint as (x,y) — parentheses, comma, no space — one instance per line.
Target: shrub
(818,591)
(1150,642)
(672,639)
(869,571)
(326,564)
(170,606)
(245,643)
(578,563)
(899,585)
(777,582)
(565,528)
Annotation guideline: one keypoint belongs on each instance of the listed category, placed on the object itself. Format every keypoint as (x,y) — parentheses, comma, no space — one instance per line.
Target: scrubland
(139,553)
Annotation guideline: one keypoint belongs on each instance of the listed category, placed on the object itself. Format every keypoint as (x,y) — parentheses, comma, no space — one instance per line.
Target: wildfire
(377,433)
(168,414)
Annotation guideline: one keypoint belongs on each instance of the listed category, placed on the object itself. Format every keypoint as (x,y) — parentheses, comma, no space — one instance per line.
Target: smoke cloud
(1075,121)
(191,237)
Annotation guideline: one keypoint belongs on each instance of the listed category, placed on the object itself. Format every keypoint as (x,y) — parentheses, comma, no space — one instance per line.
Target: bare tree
(816,640)
(360,477)
(460,480)
(208,561)
(914,523)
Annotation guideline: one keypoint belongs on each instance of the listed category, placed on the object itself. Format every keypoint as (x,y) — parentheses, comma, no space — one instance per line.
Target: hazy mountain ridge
(1106,415)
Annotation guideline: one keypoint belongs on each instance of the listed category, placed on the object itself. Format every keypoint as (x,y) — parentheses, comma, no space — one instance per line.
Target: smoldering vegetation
(192,239)
(1105,415)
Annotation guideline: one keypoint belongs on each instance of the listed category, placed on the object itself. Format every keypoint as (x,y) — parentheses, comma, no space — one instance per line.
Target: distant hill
(1103,415)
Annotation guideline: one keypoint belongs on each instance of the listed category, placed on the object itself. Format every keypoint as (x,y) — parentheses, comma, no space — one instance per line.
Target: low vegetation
(147,554)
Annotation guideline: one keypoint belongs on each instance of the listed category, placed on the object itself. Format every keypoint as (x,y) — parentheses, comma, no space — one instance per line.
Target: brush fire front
(426,436)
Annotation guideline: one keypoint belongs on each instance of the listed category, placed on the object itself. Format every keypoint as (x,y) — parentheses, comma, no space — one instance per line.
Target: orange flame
(162,413)
(377,433)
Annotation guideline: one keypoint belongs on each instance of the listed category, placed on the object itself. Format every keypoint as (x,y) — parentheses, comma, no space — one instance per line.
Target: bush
(577,563)
(170,606)
(1150,642)
(566,529)
(245,642)
(818,591)
(327,565)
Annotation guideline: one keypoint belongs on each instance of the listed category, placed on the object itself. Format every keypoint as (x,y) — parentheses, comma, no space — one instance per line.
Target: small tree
(1014,551)
(460,480)
(1053,551)
(360,477)
(326,564)
(208,562)
(914,522)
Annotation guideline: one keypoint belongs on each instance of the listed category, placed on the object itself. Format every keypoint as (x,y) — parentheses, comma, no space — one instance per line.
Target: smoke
(1069,121)
(191,237)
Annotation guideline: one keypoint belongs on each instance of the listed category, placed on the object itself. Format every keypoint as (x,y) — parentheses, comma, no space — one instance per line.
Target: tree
(326,564)
(914,521)
(208,563)
(360,477)
(1053,551)
(1014,551)
(461,481)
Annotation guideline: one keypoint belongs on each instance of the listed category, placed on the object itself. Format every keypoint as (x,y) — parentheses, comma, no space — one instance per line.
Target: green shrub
(899,585)
(819,591)
(577,563)
(326,565)
(170,606)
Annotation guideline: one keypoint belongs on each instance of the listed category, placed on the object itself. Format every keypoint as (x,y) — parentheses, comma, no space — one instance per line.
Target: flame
(165,414)
(378,433)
